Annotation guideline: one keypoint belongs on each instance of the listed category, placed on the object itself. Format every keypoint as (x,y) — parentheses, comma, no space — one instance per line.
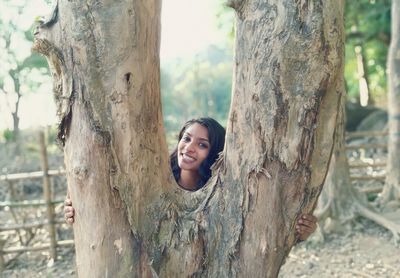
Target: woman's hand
(306,225)
(69,211)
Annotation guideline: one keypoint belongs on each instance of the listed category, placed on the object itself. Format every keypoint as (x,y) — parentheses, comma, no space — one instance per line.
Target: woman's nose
(189,147)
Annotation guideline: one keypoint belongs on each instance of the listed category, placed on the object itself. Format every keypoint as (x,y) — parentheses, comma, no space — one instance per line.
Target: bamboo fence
(50,222)
(371,164)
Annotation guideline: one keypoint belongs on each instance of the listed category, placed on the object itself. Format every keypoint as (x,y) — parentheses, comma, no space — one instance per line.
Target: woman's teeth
(189,158)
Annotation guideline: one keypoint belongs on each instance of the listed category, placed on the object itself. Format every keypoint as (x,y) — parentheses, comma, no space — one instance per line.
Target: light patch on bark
(118,245)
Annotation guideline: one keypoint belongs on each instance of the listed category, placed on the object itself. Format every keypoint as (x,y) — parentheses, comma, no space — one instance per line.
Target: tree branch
(235,4)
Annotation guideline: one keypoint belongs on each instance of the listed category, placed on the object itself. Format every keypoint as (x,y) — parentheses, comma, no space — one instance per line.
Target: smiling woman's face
(193,148)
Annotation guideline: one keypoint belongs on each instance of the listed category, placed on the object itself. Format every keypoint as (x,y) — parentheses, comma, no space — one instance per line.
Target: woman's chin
(188,166)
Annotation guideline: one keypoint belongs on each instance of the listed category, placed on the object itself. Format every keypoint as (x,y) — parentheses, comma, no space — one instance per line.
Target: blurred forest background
(195,84)
(196,79)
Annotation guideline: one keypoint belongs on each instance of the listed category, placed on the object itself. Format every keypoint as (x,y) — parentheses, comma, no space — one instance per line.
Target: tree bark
(131,217)
(391,190)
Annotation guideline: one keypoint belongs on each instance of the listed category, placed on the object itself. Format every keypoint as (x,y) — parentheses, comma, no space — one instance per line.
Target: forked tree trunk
(131,217)
(391,191)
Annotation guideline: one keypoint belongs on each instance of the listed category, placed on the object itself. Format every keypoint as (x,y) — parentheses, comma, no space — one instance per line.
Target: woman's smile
(193,148)
(187,158)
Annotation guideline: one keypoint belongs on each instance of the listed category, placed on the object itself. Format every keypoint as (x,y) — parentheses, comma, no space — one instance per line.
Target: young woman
(200,142)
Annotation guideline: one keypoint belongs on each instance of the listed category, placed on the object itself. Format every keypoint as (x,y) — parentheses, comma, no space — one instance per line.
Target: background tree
(391,191)
(131,217)
(341,203)
(20,73)
(367,40)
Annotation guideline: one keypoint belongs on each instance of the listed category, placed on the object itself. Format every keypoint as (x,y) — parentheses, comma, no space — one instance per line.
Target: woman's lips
(187,158)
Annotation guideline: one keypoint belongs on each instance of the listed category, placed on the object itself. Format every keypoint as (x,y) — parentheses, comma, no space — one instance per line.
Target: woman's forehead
(197,130)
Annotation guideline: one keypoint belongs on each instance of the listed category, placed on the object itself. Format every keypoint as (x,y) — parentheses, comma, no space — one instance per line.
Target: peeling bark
(287,85)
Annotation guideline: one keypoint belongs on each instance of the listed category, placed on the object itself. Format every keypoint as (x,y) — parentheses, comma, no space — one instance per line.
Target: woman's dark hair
(216,137)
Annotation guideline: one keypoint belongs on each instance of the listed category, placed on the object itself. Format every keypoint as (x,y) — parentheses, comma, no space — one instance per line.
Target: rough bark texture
(131,217)
(280,131)
(104,59)
(391,191)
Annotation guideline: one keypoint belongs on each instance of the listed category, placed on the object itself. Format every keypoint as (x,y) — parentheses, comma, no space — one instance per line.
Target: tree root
(360,209)
(361,274)
(380,220)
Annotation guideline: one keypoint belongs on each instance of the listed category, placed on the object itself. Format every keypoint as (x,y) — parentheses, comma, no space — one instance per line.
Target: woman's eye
(203,146)
(186,139)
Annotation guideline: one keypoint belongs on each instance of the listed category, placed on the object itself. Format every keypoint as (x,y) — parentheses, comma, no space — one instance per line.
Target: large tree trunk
(391,191)
(131,217)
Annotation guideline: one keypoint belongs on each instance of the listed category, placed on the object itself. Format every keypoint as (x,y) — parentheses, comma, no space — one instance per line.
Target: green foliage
(201,87)
(21,71)
(367,25)
(225,20)
(8,135)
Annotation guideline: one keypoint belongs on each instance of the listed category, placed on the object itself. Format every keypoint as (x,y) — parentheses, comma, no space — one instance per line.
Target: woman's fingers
(69,214)
(306,225)
(304,229)
(308,220)
(304,232)
(67,202)
(309,217)
(70,220)
(69,211)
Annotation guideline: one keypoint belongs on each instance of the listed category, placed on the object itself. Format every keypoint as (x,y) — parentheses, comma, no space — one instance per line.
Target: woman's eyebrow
(200,138)
(203,139)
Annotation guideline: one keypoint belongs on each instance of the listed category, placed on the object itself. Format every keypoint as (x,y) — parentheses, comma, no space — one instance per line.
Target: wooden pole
(367,133)
(37,248)
(29,225)
(33,203)
(47,196)
(2,264)
(31,175)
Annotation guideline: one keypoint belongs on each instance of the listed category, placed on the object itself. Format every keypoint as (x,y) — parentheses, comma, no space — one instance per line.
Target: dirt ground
(368,251)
